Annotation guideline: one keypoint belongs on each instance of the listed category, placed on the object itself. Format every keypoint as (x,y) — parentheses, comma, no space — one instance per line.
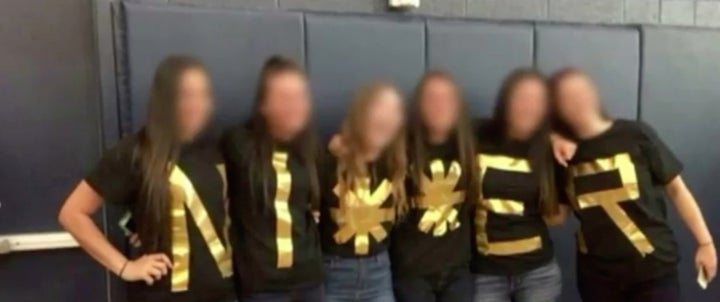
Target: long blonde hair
(352,166)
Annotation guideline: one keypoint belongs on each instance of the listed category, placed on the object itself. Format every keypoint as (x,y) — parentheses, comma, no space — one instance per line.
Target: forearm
(93,241)
(689,211)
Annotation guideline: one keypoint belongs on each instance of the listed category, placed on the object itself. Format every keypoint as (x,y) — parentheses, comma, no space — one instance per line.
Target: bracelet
(706,243)
(123,268)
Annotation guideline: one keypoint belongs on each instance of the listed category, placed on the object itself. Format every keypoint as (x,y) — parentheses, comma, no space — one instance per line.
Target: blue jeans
(366,279)
(311,294)
(448,286)
(543,284)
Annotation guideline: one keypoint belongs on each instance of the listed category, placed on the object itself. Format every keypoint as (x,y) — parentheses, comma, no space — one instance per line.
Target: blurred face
(384,119)
(287,102)
(527,107)
(577,100)
(195,102)
(439,105)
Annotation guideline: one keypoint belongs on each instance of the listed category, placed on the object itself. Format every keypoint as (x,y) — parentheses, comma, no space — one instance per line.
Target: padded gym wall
(49,138)
(610,54)
(479,55)
(343,51)
(681,100)
(233,45)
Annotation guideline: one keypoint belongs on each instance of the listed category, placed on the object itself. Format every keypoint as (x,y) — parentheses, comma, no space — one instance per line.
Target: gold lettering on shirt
(609,200)
(184,198)
(502,207)
(283,180)
(439,199)
(360,215)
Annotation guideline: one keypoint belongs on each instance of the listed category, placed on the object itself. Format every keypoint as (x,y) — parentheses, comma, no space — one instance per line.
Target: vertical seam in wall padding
(641,67)
(114,19)
(101,122)
(535,45)
(117,18)
(122,80)
(304,37)
(426,46)
(547,9)
(98,75)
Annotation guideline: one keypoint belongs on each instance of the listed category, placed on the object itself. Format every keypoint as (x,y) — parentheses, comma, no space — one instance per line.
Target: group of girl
(441,207)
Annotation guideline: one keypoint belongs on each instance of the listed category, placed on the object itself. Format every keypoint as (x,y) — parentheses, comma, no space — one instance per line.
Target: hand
(337,146)
(135,240)
(148,268)
(706,260)
(316,216)
(563,149)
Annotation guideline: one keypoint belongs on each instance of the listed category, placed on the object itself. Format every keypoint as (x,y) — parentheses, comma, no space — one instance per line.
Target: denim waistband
(377,258)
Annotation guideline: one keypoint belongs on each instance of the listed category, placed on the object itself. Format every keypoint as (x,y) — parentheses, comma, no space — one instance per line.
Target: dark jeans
(450,286)
(366,279)
(602,289)
(543,284)
(311,294)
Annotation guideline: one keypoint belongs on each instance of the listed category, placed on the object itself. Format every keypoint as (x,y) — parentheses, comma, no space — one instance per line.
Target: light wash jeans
(543,284)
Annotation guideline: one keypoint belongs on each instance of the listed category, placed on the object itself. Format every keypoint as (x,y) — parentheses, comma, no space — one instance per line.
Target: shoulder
(635,129)
(123,152)
(483,127)
(627,125)
(486,131)
(235,133)
(236,137)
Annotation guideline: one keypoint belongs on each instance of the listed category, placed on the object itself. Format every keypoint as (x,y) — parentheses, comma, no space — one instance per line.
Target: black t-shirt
(275,237)
(615,184)
(359,224)
(199,224)
(434,236)
(510,235)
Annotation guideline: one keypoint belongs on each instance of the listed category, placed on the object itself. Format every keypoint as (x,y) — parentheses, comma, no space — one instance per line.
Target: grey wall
(671,12)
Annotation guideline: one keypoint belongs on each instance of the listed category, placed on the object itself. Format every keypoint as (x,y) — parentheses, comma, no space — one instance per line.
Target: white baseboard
(36,242)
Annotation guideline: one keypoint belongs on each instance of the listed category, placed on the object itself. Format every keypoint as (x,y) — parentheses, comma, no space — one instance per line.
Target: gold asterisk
(439,198)
(360,214)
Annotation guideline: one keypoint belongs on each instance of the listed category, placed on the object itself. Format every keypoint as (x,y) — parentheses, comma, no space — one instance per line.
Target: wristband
(120,273)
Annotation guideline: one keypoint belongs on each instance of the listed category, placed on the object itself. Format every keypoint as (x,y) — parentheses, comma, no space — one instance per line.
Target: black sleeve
(113,177)
(481,126)
(231,146)
(663,164)
(234,169)
(327,173)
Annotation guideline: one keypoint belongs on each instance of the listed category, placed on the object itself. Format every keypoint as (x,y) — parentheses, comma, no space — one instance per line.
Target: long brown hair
(541,158)
(352,166)
(463,137)
(304,145)
(158,148)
